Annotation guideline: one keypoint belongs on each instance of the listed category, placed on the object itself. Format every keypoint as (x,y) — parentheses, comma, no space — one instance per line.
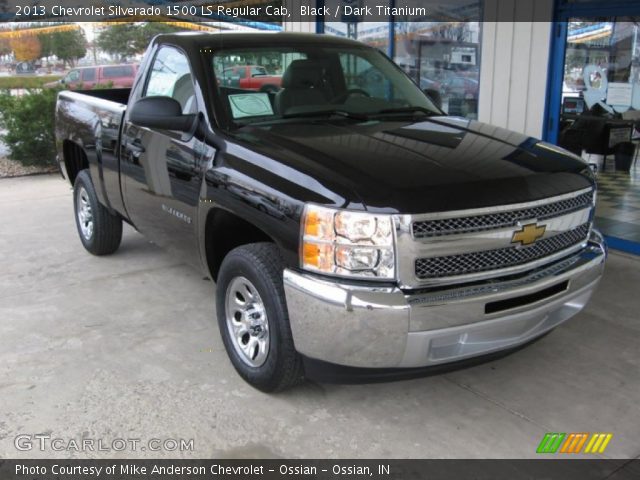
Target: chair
(185,95)
(303,83)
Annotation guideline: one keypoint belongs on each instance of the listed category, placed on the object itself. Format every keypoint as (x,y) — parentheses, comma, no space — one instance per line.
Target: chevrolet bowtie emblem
(528,234)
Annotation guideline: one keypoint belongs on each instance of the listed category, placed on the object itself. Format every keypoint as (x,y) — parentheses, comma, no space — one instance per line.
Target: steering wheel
(352,91)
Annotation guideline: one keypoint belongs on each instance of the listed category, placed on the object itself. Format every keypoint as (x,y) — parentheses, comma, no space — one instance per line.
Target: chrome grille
(492,221)
(454,265)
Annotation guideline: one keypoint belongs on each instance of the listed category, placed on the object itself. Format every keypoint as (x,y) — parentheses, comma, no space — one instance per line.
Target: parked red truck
(117,76)
(251,77)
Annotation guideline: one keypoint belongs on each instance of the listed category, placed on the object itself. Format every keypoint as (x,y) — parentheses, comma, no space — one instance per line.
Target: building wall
(293,24)
(514,66)
(303,27)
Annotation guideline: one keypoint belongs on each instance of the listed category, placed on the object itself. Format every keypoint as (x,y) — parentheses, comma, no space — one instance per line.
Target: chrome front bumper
(383,327)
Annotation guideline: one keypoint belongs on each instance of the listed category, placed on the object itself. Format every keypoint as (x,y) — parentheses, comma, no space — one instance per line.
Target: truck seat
(184,93)
(303,83)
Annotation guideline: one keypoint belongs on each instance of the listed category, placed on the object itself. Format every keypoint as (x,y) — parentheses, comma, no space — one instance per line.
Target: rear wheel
(253,319)
(100,231)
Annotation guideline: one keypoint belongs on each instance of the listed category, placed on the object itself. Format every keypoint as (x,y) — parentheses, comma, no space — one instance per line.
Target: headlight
(346,243)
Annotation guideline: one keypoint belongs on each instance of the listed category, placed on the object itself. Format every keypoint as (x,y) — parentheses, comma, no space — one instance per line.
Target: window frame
(145,86)
(142,89)
(221,110)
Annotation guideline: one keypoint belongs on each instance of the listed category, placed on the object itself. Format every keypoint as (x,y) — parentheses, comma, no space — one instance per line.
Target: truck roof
(105,65)
(245,39)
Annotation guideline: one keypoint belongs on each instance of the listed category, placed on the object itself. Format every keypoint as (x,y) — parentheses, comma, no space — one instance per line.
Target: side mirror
(164,113)
(435,96)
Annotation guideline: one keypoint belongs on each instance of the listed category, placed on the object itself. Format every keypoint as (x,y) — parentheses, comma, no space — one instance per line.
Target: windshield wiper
(423,110)
(326,113)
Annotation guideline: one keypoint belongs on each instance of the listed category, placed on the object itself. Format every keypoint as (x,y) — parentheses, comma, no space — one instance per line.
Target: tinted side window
(171,77)
(258,71)
(115,72)
(88,75)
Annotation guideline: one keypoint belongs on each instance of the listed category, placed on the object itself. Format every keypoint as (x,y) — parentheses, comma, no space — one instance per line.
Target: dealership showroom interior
(331,229)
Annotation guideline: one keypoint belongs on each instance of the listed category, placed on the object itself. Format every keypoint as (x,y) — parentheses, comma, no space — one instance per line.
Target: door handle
(136,144)
(135,149)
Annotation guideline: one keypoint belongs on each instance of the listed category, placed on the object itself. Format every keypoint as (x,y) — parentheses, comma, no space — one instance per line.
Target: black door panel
(163,169)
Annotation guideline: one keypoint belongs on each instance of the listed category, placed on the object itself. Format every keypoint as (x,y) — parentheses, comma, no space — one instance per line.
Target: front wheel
(100,231)
(253,319)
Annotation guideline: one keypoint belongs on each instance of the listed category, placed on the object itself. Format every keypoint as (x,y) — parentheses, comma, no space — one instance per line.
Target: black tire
(261,265)
(106,233)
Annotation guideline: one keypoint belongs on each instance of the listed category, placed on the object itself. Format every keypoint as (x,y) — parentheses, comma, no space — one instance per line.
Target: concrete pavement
(127,347)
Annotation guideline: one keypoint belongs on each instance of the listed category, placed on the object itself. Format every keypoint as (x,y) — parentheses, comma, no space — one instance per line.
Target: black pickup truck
(348,223)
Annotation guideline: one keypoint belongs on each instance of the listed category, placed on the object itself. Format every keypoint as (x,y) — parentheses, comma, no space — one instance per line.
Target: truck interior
(316,80)
(303,83)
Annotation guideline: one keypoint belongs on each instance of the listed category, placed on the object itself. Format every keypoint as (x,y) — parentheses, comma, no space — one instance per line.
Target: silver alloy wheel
(247,322)
(85,214)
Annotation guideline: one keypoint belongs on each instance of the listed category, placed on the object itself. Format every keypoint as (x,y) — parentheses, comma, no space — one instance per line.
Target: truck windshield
(313,81)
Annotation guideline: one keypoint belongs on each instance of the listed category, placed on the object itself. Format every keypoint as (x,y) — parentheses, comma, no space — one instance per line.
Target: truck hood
(439,164)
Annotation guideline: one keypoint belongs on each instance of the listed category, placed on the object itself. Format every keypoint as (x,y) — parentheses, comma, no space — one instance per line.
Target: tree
(25,48)
(27,124)
(118,40)
(5,47)
(46,44)
(127,39)
(144,33)
(69,45)
(458,32)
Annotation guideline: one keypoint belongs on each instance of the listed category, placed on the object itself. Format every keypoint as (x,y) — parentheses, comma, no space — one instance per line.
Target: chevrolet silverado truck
(348,223)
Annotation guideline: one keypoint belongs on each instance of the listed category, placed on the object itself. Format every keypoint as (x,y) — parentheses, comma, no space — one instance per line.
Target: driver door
(162,168)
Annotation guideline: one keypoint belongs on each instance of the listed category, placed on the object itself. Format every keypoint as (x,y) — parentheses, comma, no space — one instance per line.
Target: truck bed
(93,118)
(116,95)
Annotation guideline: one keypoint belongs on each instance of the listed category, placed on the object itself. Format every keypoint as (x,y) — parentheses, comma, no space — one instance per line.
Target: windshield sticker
(250,105)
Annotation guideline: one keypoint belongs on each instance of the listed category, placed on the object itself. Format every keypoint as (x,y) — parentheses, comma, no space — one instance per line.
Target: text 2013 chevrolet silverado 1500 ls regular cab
(346,221)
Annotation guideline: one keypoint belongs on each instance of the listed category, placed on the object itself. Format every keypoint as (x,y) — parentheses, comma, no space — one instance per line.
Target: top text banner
(270,11)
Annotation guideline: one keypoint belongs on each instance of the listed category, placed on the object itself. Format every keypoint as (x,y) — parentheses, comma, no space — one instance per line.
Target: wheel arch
(75,159)
(224,231)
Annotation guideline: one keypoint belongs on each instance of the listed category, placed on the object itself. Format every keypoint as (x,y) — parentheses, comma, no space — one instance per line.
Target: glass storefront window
(602,64)
(443,56)
(440,56)
(375,34)
(600,110)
